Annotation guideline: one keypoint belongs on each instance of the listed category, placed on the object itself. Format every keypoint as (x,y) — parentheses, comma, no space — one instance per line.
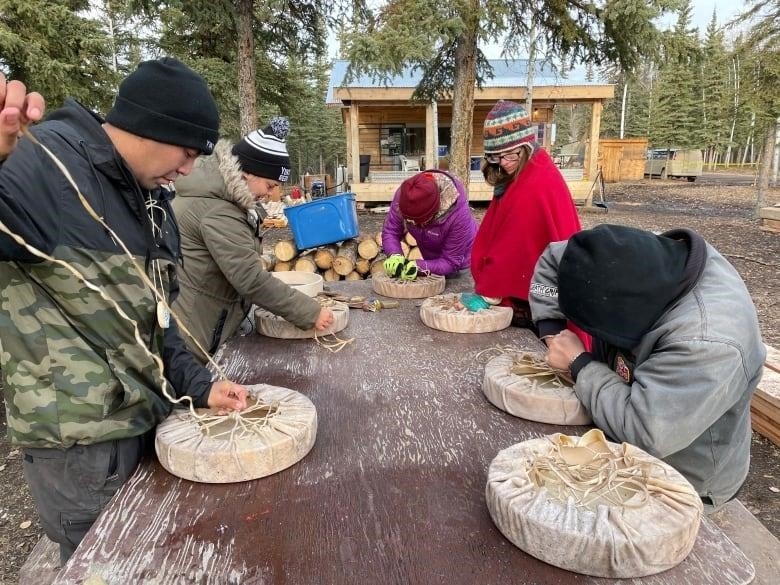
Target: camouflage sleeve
(186,375)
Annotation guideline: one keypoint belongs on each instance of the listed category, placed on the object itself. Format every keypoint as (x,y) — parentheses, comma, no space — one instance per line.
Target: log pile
(353,259)
(765,405)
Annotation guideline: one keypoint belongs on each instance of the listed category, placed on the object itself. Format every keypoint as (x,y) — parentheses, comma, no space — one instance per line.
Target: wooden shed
(389,137)
(622,159)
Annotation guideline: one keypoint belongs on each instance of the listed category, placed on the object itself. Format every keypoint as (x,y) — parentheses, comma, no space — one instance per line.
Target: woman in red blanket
(531,207)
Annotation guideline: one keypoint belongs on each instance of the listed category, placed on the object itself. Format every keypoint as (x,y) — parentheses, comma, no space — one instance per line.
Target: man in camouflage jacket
(79,326)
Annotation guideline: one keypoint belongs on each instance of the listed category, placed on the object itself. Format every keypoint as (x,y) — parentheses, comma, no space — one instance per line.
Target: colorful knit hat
(263,153)
(507,126)
(419,199)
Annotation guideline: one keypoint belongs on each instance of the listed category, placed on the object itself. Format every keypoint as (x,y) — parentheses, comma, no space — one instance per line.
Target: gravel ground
(722,214)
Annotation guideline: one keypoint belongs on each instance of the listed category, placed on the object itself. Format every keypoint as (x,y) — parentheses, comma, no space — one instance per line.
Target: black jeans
(72,486)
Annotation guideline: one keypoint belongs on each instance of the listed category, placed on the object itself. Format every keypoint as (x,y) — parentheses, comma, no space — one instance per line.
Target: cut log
(305,262)
(285,250)
(331,275)
(323,257)
(405,248)
(227,453)
(344,262)
(378,265)
(378,238)
(368,248)
(283,266)
(409,239)
(415,254)
(444,312)
(354,275)
(362,266)
(424,286)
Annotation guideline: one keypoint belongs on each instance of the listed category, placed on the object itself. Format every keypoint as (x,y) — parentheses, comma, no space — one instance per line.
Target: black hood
(615,281)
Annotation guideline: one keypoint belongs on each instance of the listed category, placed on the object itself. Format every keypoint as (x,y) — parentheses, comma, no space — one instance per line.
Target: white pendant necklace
(162,311)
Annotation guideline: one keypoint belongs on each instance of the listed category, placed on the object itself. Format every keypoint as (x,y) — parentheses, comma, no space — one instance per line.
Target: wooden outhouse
(389,137)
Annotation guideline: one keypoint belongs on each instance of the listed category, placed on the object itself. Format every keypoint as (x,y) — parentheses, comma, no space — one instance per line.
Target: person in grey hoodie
(221,276)
(677,350)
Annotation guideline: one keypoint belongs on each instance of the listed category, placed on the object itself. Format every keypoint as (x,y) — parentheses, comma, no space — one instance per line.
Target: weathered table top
(392,492)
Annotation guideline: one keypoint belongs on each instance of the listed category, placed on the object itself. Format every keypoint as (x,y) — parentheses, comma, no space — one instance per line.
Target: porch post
(354,142)
(595,126)
(431,136)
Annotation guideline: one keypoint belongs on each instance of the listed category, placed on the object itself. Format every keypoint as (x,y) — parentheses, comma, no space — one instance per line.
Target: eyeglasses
(495,159)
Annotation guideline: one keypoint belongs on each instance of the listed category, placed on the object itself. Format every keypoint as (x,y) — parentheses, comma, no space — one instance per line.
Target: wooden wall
(622,159)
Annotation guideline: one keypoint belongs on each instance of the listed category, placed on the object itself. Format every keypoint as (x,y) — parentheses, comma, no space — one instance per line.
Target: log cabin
(389,137)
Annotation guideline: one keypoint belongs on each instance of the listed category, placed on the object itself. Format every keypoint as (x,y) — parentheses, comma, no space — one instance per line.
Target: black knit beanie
(263,153)
(166,101)
(615,281)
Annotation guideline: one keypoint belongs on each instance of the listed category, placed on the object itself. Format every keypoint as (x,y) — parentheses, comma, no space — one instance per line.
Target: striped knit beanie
(507,126)
(263,153)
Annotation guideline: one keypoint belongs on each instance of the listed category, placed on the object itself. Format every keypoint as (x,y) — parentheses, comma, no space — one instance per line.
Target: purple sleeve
(456,252)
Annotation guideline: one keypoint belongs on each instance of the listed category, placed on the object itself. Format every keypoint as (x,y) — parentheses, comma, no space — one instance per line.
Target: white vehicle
(669,163)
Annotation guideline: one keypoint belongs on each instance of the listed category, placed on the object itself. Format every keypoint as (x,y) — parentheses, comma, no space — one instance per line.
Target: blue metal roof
(506,73)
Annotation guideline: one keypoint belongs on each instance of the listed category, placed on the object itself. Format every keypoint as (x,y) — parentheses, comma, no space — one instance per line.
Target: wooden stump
(424,286)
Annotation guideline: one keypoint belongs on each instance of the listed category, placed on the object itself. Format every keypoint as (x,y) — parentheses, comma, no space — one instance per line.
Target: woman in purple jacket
(434,208)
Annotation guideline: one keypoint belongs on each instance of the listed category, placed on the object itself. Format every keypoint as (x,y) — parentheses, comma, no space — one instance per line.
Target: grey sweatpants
(72,486)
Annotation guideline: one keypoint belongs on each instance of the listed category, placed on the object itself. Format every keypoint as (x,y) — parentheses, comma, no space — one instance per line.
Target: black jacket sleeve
(31,189)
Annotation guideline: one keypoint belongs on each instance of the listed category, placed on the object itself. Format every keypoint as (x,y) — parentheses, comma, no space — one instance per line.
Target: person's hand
(562,349)
(409,271)
(17,109)
(225,395)
(394,265)
(325,319)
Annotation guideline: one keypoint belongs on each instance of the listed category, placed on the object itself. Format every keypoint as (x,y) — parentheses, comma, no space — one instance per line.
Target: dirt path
(723,215)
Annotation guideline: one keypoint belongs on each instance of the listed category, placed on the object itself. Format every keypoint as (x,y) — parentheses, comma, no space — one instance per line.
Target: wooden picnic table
(393,490)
